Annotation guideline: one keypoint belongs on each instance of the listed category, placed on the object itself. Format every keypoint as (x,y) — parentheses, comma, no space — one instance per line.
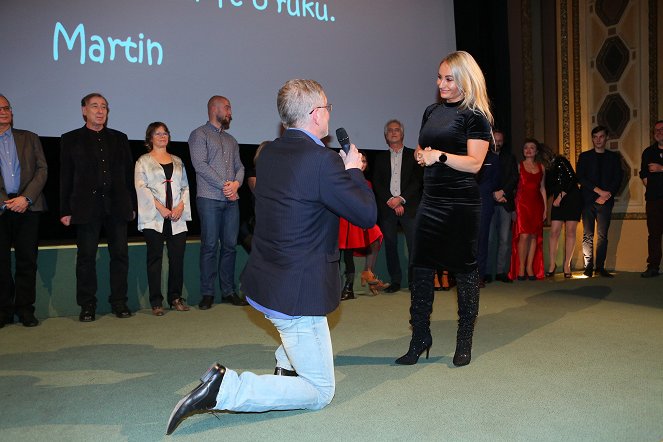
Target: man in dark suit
(292,274)
(24,173)
(504,207)
(651,173)
(600,174)
(397,182)
(97,190)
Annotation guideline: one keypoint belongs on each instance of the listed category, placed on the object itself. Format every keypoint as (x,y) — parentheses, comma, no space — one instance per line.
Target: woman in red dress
(355,241)
(527,245)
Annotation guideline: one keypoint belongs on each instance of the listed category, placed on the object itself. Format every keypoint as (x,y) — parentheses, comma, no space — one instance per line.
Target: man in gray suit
(292,275)
(24,173)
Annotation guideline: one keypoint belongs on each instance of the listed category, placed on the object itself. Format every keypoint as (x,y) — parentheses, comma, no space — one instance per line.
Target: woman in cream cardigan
(163,210)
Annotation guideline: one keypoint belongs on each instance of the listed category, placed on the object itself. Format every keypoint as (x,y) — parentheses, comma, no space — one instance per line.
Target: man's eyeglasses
(6,108)
(328,107)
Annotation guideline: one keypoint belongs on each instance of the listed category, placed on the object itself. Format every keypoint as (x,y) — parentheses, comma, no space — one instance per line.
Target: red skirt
(356,238)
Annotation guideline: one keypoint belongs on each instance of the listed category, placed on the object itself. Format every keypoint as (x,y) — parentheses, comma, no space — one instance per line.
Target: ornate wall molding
(653,62)
(565,108)
(528,71)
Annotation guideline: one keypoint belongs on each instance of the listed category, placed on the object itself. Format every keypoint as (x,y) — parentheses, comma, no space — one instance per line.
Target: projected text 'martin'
(141,51)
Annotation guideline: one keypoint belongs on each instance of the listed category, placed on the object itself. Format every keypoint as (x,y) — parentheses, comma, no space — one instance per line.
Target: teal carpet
(560,360)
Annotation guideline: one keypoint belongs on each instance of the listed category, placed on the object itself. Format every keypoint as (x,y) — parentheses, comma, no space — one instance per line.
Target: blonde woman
(453,142)
(163,210)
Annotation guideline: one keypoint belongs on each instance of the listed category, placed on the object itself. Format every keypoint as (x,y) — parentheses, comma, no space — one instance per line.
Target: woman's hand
(162,209)
(428,156)
(176,213)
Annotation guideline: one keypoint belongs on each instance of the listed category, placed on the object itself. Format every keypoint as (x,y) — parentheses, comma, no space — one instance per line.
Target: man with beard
(219,173)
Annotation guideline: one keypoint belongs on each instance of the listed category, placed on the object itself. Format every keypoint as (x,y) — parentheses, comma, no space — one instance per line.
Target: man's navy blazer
(301,190)
(79,172)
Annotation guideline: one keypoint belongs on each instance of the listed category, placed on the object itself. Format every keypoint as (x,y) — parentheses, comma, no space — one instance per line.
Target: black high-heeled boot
(468,310)
(348,290)
(421,307)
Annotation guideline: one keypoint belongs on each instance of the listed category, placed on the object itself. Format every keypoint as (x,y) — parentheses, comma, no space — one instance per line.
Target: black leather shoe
(29,320)
(588,272)
(650,273)
(278,371)
(393,288)
(121,311)
(201,398)
(605,273)
(87,313)
(234,300)
(206,303)
(503,277)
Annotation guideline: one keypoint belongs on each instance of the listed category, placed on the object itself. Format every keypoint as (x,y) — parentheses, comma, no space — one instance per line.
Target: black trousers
(655,228)
(18,292)
(176,245)
(388,222)
(87,240)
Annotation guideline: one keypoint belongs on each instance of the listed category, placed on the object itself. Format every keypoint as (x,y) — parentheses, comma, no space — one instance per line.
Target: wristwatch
(442,158)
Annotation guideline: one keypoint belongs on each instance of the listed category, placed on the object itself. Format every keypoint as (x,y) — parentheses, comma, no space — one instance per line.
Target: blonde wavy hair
(471,82)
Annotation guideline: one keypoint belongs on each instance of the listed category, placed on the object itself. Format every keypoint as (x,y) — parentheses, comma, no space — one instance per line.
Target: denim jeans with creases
(306,348)
(219,222)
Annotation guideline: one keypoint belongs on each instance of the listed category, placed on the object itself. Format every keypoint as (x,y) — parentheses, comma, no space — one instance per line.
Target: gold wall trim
(577,97)
(564,77)
(528,72)
(653,63)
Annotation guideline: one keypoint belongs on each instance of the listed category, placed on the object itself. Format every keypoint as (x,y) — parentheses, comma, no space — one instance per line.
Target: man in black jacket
(97,190)
(651,173)
(600,174)
(397,182)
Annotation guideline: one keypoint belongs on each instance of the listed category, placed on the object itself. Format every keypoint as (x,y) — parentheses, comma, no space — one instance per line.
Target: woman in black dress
(453,142)
(566,210)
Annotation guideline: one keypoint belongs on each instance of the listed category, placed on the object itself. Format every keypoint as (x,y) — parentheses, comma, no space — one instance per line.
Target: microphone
(343,139)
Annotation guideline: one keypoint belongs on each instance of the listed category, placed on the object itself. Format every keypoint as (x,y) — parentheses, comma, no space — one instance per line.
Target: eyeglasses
(6,108)
(328,107)
(161,134)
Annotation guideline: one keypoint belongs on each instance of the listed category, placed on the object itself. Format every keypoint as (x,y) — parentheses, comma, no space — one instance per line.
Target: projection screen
(162,60)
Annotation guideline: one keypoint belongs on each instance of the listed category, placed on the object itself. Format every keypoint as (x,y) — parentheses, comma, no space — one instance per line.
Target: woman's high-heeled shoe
(551,274)
(417,347)
(374,284)
(179,305)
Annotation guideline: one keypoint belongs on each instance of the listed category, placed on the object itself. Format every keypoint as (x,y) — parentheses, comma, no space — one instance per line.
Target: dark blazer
(301,190)
(34,169)
(489,177)
(79,175)
(411,181)
(508,179)
(589,175)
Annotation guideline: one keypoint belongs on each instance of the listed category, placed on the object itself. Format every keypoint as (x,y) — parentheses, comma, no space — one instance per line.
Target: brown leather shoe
(157,310)
(179,305)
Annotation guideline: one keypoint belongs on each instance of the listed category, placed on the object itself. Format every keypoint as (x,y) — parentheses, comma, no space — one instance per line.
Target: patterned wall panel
(615,41)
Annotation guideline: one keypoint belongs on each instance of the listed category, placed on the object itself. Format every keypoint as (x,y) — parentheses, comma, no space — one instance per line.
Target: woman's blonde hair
(471,82)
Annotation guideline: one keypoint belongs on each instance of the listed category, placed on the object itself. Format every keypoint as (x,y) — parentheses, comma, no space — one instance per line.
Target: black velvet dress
(447,222)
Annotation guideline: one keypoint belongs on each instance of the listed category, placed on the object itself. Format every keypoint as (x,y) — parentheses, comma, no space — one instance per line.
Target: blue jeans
(599,213)
(501,225)
(219,222)
(305,347)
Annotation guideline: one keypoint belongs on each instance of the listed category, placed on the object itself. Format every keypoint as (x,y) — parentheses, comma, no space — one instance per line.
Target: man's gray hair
(393,120)
(296,99)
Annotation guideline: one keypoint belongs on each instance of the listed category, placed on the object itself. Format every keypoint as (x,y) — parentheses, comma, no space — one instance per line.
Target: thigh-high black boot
(468,310)
(421,307)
